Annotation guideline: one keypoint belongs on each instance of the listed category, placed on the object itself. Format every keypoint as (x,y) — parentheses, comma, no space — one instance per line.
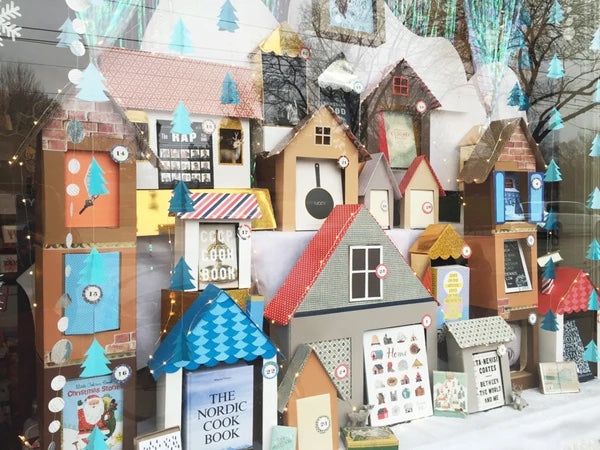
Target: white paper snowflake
(10,30)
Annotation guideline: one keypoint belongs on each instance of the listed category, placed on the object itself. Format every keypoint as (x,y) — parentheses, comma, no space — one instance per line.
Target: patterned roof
(412,169)
(483,331)
(214,329)
(571,292)
(218,206)
(154,81)
(439,241)
(368,172)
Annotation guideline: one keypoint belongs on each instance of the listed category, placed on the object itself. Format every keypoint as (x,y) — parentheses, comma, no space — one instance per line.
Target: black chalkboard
(516,276)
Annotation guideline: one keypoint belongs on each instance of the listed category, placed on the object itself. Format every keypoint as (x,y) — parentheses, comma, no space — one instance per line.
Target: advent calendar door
(421,209)
(378,206)
(314,422)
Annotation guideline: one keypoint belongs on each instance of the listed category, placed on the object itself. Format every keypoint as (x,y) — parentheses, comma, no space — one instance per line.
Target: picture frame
(167,439)
(559,377)
(516,272)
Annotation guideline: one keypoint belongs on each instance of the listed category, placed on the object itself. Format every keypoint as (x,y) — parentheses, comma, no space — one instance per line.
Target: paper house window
(230,141)
(516,273)
(218,257)
(518,196)
(400,86)
(365,284)
(322,135)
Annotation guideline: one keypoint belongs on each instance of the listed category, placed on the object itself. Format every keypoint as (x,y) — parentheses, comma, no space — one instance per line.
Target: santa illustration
(96,411)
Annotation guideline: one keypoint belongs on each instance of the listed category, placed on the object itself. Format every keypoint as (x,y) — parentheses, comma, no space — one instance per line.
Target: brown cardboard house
(378,189)
(439,242)
(314,168)
(348,275)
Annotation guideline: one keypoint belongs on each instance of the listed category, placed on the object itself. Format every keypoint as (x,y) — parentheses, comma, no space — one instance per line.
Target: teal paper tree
(181,123)
(556,121)
(551,222)
(227,18)
(525,16)
(552,172)
(524,60)
(593,252)
(68,34)
(181,280)
(96,363)
(595,150)
(550,270)
(595,45)
(556,70)
(555,15)
(96,184)
(514,98)
(96,440)
(593,301)
(549,322)
(591,352)
(180,39)
(516,40)
(180,201)
(91,87)
(524,102)
(593,200)
(229,91)
(597,93)
(182,351)
(93,272)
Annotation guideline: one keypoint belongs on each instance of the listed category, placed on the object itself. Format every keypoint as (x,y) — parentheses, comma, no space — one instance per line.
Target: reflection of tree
(284,81)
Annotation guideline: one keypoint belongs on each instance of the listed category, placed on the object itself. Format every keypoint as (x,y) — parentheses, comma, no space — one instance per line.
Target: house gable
(518,149)
(571,292)
(420,175)
(376,173)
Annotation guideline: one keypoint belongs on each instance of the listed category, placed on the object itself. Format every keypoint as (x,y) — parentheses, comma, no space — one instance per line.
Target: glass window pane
(358,285)
(374,286)
(358,259)
(373,258)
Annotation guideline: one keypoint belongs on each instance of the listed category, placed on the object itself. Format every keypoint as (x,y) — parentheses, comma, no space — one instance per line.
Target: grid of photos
(397,374)
(184,157)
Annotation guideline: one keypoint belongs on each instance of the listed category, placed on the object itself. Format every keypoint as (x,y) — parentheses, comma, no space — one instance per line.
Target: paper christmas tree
(96,363)
(182,354)
(68,34)
(95,182)
(180,39)
(552,172)
(227,18)
(550,270)
(593,200)
(551,222)
(595,150)
(514,98)
(591,352)
(93,272)
(593,252)
(597,93)
(549,322)
(96,440)
(556,121)
(555,15)
(555,70)
(181,123)
(593,301)
(91,87)
(516,40)
(229,91)
(524,60)
(181,280)
(595,45)
(180,202)
(525,16)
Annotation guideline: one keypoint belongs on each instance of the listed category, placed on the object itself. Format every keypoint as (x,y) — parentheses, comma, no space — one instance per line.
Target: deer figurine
(517,401)
(232,155)
(358,418)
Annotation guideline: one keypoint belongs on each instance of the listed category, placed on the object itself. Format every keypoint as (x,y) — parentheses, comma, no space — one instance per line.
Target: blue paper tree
(595,45)
(555,15)
(516,40)
(91,87)
(227,18)
(593,200)
(597,93)
(96,363)
(525,16)
(180,39)
(93,272)
(181,123)
(514,98)
(552,172)
(550,270)
(524,60)
(591,352)
(180,201)
(556,70)
(595,150)
(593,301)
(181,280)
(182,350)
(593,252)
(549,322)
(524,102)
(551,222)
(556,121)
(95,182)
(229,91)
(68,34)
(96,440)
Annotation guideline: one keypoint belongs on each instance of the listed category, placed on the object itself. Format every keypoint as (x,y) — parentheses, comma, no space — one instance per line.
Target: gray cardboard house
(477,347)
(350,279)
(378,189)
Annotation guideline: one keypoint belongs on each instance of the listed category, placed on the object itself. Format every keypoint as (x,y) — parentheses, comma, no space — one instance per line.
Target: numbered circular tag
(426,321)
(244,231)
(92,293)
(322,424)
(536,182)
(343,162)
(304,53)
(383,205)
(427,207)
(532,318)
(119,154)
(122,373)
(501,350)
(342,371)
(381,271)
(530,240)
(208,127)
(421,106)
(358,87)
(270,370)
(466,251)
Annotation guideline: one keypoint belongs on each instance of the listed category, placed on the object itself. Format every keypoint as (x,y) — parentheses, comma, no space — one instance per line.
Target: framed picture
(516,274)
(168,439)
(559,377)
(218,259)
(9,234)
(400,137)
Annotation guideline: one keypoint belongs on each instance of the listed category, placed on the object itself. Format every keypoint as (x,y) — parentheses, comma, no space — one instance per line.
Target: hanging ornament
(593,200)
(595,149)
(595,44)
(556,70)
(593,252)
(549,322)
(556,121)
(552,172)
(555,15)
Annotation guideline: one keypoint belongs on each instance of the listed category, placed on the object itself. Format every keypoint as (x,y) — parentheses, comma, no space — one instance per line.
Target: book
(380,438)
(450,394)
(559,377)
(283,438)
(168,439)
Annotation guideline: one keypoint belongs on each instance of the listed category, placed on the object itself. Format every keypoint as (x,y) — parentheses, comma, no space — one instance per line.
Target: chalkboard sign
(516,275)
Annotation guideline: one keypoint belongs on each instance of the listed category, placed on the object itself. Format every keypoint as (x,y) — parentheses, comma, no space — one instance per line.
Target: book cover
(450,394)
(218,408)
(369,438)
(559,377)
(283,438)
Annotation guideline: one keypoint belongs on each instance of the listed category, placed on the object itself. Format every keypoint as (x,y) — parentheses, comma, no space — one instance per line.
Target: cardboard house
(395,115)
(311,170)
(378,190)
(478,348)
(307,398)
(216,333)
(421,191)
(348,275)
(439,243)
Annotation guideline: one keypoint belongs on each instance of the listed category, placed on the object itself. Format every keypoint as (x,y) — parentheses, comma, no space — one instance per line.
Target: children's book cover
(449,394)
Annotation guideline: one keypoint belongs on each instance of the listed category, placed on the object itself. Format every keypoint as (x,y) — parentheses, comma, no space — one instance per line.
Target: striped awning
(221,206)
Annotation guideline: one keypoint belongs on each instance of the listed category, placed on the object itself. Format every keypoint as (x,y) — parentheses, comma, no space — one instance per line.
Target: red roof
(314,258)
(412,169)
(571,292)
(157,82)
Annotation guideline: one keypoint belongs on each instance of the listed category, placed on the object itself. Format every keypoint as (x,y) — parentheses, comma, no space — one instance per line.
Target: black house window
(322,135)
(364,282)
(400,86)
